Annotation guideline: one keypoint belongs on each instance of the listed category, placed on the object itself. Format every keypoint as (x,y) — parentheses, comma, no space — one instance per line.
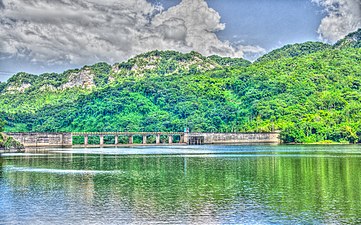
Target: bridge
(113,139)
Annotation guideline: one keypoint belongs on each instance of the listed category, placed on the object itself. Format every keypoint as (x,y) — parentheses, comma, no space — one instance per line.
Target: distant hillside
(311,92)
(294,50)
(352,40)
(89,77)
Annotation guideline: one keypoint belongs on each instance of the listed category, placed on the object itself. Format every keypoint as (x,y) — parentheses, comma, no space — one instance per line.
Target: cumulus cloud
(87,31)
(342,17)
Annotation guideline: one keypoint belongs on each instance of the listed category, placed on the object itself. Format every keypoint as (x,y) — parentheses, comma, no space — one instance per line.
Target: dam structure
(113,139)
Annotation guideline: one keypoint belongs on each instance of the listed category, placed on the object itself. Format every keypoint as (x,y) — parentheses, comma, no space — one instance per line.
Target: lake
(247,184)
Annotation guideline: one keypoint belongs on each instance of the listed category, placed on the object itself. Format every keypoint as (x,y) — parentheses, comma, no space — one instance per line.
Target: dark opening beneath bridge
(196,140)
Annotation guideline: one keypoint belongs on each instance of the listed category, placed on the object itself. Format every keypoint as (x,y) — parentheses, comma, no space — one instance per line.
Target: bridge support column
(116,139)
(186,138)
(170,139)
(181,141)
(130,139)
(144,139)
(86,138)
(101,140)
(157,139)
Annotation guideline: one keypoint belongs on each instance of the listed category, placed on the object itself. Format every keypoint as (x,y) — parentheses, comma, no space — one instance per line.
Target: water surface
(261,184)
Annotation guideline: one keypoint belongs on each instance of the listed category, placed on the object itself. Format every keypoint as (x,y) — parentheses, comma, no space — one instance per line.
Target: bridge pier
(101,140)
(116,141)
(130,139)
(170,139)
(157,139)
(86,140)
(181,141)
(144,139)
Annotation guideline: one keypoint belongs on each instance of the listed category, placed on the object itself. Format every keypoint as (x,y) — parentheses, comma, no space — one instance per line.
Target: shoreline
(322,143)
(11,151)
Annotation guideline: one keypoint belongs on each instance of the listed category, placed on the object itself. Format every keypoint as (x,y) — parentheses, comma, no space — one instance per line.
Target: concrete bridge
(108,139)
(114,136)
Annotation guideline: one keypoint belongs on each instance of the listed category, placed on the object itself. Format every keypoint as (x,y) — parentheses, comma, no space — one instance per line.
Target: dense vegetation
(352,40)
(7,142)
(311,92)
(2,124)
(289,51)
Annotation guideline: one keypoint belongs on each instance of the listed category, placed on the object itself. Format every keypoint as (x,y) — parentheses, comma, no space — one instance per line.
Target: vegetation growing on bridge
(7,142)
(311,91)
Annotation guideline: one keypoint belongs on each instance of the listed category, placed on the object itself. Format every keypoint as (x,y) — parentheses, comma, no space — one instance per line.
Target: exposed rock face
(47,87)
(111,79)
(83,79)
(15,89)
(176,63)
(115,68)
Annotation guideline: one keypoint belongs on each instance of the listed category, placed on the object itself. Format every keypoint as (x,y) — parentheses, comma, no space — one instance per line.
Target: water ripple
(58,171)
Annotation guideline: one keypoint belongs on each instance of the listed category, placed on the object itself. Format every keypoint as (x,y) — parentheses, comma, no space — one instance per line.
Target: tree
(2,125)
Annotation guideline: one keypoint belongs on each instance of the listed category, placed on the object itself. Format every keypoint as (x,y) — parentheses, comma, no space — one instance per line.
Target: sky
(54,35)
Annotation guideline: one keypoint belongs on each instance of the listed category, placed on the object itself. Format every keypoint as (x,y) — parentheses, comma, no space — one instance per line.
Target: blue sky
(52,36)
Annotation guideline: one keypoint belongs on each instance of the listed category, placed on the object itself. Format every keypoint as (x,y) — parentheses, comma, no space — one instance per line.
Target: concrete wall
(234,138)
(43,139)
(65,139)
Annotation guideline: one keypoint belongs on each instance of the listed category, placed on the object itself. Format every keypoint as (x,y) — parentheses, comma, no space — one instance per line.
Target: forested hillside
(311,92)
(290,51)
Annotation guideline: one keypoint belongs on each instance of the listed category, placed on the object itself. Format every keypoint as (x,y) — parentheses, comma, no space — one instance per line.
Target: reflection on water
(62,171)
(202,184)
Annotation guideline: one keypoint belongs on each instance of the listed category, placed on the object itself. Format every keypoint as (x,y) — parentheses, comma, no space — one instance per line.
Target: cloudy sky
(54,35)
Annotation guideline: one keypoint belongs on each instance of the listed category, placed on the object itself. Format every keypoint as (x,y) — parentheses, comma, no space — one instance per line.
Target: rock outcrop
(14,89)
(83,79)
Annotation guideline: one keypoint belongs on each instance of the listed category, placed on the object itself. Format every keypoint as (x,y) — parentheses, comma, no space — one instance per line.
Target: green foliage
(20,78)
(311,92)
(311,98)
(101,71)
(7,142)
(295,50)
(2,86)
(226,61)
(352,40)
(2,125)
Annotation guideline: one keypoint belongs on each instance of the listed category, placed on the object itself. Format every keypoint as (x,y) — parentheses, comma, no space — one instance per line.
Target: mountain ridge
(161,62)
(145,62)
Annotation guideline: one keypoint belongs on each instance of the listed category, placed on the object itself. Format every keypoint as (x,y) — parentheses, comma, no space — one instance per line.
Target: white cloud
(342,17)
(87,31)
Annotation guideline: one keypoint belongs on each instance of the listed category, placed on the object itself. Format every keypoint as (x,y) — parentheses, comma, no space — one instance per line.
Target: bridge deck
(45,139)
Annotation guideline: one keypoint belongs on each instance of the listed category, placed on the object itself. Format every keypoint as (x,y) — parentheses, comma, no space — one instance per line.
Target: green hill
(295,50)
(311,96)
(352,40)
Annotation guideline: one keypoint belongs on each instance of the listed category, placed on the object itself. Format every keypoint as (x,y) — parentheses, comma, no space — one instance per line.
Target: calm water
(178,185)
